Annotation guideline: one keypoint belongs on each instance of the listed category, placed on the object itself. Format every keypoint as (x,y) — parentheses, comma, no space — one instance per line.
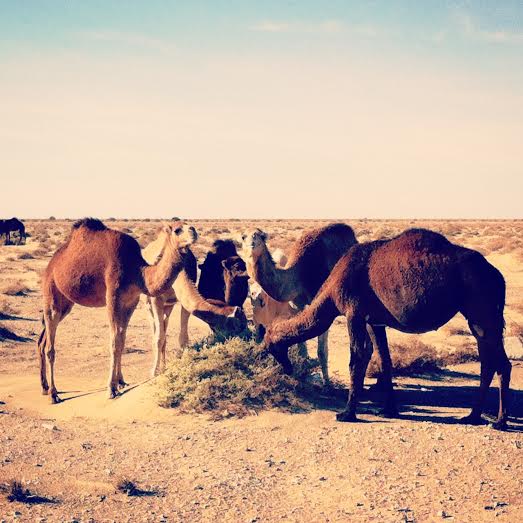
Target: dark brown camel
(312,257)
(12,225)
(225,318)
(100,267)
(236,281)
(414,283)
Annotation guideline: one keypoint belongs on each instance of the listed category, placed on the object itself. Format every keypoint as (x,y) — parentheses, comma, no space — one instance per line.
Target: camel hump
(425,239)
(93,224)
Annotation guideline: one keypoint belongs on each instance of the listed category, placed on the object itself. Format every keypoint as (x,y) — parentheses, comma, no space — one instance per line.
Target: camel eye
(178,231)
(244,236)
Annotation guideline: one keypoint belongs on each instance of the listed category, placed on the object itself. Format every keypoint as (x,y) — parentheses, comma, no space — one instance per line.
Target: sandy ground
(270,467)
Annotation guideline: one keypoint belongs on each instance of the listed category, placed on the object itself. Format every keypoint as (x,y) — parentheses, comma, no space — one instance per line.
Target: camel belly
(84,289)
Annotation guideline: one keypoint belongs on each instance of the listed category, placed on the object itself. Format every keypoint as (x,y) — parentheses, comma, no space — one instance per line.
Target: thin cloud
(127,39)
(273,26)
(473,31)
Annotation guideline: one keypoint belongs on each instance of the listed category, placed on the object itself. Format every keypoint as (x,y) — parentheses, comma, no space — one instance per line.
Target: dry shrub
(26,256)
(6,308)
(420,358)
(230,378)
(14,288)
(41,252)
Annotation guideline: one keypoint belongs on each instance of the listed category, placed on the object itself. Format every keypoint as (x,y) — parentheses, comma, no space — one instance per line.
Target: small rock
(443,514)
(49,426)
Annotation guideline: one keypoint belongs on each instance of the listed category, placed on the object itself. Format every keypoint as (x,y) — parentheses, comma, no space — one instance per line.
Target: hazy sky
(261,109)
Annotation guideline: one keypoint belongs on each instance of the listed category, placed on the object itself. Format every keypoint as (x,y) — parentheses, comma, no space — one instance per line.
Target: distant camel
(415,282)
(310,262)
(12,225)
(225,318)
(100,267)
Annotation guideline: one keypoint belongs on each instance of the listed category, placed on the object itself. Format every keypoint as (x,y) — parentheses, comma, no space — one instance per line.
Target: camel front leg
(156,311)
(51,320)
(125,317)
(183,338)
(360,353)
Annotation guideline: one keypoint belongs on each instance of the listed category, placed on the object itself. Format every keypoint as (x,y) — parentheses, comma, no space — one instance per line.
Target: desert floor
(273,466)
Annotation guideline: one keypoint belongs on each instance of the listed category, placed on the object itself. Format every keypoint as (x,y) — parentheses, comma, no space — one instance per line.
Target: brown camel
(224,318)
(100,267)
(414,283)
(310,262)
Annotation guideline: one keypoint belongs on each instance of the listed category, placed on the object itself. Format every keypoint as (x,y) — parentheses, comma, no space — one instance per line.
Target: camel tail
(310,323)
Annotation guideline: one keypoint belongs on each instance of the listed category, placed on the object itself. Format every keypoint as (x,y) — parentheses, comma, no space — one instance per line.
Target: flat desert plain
(265,467)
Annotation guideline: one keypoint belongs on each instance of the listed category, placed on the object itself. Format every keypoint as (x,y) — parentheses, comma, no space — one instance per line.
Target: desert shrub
(419,358)
(229,378)
(14,288)
(25,256)
(40,252)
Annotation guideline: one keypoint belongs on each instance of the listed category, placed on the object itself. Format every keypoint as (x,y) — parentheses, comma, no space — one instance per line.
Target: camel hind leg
(183,338)
(323,356)
(493,359)
(54,313)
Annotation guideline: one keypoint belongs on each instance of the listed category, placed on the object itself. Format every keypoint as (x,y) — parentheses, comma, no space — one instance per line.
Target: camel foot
(500,424)
(45,391)
(390,412)
(472,419)
(347,417)
(54,398)
(122,384)
(113,393)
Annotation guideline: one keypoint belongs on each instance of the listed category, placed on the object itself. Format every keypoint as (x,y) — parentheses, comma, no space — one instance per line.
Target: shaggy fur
(414,283)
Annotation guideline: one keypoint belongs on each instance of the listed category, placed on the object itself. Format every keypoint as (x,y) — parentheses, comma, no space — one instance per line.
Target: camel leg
(360,353)
(156,310)
(493,359)
(126,316)
(54,313)
(117,326)
(183,338)
(323,356)
(378,337)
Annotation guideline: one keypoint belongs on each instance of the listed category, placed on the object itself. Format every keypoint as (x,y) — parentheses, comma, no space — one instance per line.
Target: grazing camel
(12,225)
(98,267)
(310,262)
(226,319)
(415,282)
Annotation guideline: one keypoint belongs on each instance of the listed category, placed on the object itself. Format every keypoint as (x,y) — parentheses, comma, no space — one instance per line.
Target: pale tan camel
(310,262)
(222,318)
(100,267)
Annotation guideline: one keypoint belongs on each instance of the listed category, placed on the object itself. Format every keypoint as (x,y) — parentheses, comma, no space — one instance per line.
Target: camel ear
(236,313)
(264,236)
(167,227)
(225,264)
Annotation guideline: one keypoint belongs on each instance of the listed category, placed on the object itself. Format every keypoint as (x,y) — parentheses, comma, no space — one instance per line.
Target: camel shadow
(81,394)
(8,335)
(425,402)
(11,317)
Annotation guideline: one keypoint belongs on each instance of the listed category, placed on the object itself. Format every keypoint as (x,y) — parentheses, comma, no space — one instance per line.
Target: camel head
(279,352)
(180,235)
(234,267)
(253,242)
(228,325)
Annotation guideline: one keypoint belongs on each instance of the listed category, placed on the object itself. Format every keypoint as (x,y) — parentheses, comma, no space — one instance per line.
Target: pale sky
(248,109)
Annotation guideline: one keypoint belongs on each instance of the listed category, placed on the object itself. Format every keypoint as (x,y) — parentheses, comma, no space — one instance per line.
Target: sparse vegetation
(14,288)
(231,379)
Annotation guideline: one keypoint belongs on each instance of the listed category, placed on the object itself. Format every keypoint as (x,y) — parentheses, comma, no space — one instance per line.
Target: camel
(212,284)
(310,262)
(98,267)
(236,281)
(12,225)
(415,282)
(224,318)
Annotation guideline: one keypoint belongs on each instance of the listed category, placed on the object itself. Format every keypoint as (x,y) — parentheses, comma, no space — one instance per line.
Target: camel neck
(278,283)
(159,277)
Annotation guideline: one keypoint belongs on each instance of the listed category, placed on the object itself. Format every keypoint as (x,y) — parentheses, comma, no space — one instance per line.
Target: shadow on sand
(421,402)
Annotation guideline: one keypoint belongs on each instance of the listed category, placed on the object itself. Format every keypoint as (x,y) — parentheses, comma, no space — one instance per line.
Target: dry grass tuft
(127,487)
(230,379)
(14,288)
(420,358)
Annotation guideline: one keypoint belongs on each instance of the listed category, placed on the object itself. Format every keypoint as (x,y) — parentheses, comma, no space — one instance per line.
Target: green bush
(229,378)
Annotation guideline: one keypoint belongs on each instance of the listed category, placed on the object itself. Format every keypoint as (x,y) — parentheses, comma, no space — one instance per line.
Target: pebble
(49,426)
